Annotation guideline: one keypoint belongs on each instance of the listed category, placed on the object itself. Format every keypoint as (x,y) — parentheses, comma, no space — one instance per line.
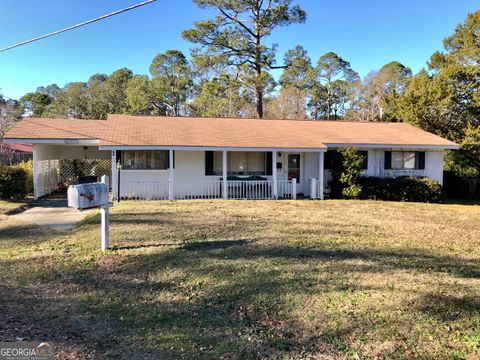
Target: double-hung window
(405,160)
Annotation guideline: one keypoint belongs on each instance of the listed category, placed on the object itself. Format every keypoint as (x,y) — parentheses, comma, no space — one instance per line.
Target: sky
(367,33)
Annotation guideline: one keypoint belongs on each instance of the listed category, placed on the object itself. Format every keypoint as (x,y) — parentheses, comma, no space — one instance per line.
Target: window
(238,162)
(145,159)
(405,160)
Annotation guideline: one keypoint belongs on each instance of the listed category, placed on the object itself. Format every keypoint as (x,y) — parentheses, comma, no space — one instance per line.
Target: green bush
(27,166)
(401,189)
(13,182)
(346,171)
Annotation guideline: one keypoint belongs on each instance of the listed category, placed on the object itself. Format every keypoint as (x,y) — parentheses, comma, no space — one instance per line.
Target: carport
(56,166)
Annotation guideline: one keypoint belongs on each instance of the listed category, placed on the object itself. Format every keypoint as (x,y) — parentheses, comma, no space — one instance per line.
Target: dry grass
(240,279)
(12,207)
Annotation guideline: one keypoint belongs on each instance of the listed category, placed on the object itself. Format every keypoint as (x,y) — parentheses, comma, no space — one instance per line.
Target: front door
(294,170)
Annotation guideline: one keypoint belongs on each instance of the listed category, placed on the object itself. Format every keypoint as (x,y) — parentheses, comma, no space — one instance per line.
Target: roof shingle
(127,130)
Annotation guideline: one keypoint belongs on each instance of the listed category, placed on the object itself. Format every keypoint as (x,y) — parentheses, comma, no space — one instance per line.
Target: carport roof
(162,131)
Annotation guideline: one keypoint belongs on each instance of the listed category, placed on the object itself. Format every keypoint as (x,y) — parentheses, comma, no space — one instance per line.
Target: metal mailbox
(85,196)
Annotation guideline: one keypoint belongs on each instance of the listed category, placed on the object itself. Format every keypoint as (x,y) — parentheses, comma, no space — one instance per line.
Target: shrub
(13,182)
(401,189)
(346,171)
(27,166)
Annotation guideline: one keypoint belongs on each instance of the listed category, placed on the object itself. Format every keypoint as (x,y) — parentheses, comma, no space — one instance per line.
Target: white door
(294,162)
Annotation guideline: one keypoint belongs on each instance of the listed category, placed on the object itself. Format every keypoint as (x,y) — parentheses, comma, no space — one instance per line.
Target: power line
(77,26)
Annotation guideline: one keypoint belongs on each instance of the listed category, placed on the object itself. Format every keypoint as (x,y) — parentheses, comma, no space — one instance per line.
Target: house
(11,154)
(231,158)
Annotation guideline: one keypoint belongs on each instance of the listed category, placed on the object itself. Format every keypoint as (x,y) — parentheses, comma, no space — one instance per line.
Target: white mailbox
(86,196)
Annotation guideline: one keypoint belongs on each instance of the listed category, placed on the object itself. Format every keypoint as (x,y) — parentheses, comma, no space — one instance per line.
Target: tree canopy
(236,36)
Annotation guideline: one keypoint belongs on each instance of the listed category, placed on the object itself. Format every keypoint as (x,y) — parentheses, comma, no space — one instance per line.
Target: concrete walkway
(52,213)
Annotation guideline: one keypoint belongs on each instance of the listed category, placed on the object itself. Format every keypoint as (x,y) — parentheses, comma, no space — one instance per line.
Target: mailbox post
(105,213)
(93,195)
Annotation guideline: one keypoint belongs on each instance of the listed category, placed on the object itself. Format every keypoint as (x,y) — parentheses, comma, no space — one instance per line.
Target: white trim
(321,167)
(396,146)
(224,171)
(72,142)
(171,195)
(35,174)
(274,174)
(208,148)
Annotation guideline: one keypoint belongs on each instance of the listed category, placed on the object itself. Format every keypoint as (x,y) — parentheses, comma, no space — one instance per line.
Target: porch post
(170,175)
(35,173)
(224,181)
(321,166)
(274,175)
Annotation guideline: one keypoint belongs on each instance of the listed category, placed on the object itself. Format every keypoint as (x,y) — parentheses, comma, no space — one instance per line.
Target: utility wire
(77,26)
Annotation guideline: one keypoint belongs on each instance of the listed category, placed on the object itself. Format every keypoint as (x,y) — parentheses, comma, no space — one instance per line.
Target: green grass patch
(250,279)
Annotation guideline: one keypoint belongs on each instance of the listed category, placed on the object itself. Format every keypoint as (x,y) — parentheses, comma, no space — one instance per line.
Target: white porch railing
(212,189)
(317,189)
(189,190)
(145,190)
(398,173)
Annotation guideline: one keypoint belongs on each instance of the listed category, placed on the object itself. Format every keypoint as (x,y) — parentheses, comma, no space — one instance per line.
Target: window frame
(211,157)
(129,168)
(418,156)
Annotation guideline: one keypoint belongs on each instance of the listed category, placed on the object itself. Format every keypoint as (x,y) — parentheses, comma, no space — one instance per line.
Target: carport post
(35,173)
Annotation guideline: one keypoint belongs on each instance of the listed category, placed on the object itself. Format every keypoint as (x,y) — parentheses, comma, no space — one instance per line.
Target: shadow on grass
(198,300)
(213,245)
(448,308)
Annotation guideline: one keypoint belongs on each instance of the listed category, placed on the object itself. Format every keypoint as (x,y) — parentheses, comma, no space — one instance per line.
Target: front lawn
(246,279)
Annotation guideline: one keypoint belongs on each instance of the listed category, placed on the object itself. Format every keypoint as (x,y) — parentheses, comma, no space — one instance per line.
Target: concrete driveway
(54,214)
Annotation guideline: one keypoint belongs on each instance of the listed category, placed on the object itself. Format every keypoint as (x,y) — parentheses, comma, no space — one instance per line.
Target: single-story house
(11,153)
(155,157)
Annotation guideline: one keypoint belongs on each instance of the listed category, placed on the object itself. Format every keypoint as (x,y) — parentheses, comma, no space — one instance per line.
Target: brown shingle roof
(126,130)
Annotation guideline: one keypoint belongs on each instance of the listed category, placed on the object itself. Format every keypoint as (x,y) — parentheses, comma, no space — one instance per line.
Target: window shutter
(327,161)
(269,163)
(421,160)
(168,159)
(208,162)
(364,155)
(388,160)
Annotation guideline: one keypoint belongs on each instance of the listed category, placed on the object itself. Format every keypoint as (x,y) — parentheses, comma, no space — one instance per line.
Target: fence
(13,158)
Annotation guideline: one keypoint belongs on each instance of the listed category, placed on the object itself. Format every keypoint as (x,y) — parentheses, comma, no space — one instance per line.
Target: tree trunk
(259,103)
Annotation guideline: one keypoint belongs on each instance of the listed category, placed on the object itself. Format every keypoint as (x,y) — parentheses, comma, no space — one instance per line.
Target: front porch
(178,174)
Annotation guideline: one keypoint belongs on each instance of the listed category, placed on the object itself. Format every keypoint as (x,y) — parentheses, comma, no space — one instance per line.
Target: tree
(139,95)
(447,101)
(236,36)
(114,90)
(376,98)
(36,104)
(332,77)
(223,96)
(289,104)
(72,102)
(171,82)
(10,112)
(298,69)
